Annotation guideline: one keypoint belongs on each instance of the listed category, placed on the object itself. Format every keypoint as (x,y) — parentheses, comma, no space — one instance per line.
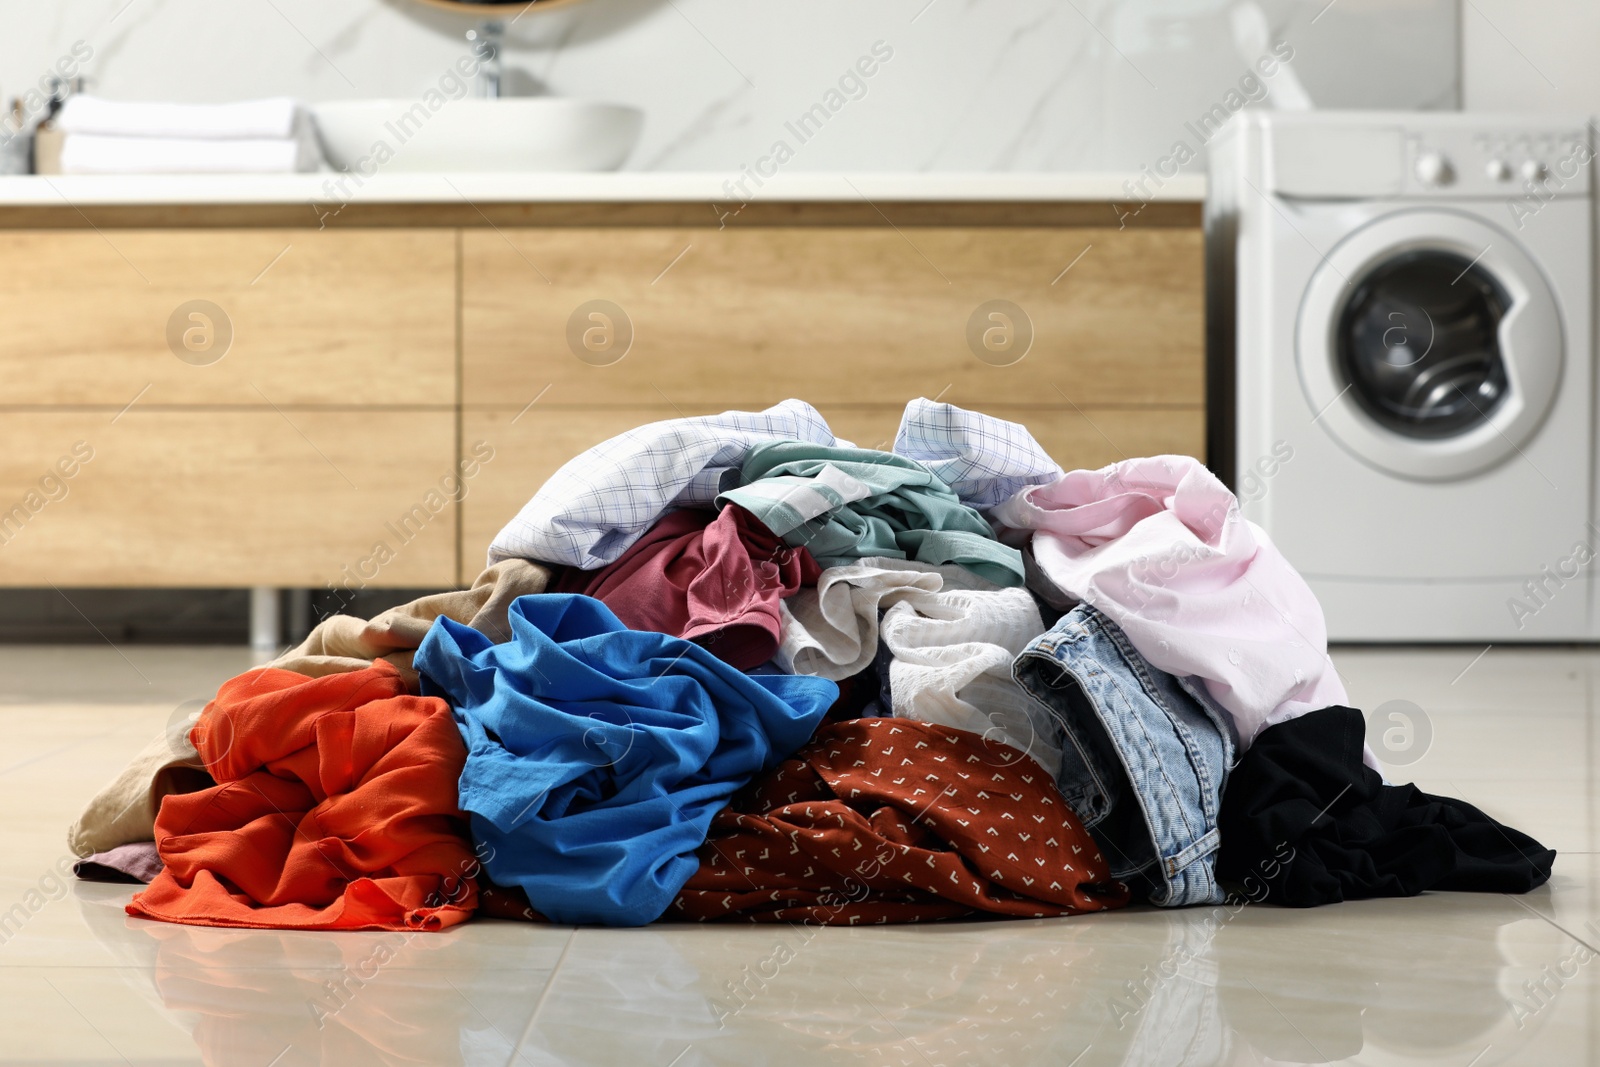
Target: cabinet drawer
(316,317)
(529,445)
(747,316)
(227,498)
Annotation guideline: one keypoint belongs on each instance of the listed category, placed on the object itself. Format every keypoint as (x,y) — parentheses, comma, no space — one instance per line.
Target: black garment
(1304,823)
(866,694)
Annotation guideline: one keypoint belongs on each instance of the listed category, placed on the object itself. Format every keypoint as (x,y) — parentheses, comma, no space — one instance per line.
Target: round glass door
(1418,344)
(1429,344)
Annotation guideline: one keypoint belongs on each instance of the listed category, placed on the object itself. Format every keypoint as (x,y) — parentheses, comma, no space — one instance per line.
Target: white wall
(972,84)
(1531,55)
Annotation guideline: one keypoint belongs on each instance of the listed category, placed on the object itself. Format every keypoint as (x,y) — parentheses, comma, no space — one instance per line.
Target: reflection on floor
(1442,979)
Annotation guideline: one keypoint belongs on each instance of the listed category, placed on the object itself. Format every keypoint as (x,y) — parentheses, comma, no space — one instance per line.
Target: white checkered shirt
(985,460)
(601,502)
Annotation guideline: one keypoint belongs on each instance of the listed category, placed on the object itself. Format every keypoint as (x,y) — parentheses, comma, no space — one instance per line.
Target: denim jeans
(1144,756)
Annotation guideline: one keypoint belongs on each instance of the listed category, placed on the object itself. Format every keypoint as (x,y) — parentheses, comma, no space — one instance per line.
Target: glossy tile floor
(1458,979)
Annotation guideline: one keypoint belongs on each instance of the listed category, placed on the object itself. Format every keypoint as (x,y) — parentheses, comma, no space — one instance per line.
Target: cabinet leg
(266,623)
(299,616)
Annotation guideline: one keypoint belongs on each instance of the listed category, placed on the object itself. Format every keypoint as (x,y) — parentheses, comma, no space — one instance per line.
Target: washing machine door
(1430,345)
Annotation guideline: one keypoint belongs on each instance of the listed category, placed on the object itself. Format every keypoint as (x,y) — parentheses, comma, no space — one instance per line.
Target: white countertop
(625,187)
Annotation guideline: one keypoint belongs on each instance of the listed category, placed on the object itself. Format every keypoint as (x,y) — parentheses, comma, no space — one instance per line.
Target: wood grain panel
(354,317)
(530,445)
(745,317)
(227,498)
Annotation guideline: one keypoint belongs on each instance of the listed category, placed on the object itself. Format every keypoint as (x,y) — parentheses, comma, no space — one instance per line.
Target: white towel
(279,118)
(93,154)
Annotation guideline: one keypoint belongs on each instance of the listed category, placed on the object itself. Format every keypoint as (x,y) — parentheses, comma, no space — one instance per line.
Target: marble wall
(1531,55)
(1110,85)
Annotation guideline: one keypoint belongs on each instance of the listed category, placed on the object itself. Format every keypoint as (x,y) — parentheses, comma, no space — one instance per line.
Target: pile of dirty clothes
(735,668)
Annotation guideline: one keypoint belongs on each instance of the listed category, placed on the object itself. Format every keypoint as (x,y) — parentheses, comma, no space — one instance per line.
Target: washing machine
(1401,363)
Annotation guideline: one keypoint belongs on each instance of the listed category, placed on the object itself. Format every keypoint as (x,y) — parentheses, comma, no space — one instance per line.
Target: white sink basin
(517,134)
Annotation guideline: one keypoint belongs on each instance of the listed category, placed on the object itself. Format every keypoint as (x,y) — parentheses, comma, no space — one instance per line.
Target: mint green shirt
(846,503)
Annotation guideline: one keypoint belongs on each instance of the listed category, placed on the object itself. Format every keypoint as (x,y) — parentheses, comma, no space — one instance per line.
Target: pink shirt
(1159,546)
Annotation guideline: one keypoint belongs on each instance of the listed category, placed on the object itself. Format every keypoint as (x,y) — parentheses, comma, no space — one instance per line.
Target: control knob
(1434,169)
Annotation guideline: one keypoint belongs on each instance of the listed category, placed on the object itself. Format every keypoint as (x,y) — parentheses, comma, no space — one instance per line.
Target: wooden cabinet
(194,497)
(286,440)
(315,317)
(321,443)
(837,315)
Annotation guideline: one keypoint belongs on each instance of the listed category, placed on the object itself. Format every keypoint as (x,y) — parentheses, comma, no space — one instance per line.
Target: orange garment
(335,810)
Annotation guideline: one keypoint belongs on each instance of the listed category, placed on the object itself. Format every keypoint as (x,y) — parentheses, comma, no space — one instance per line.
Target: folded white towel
(248,120)
(91,154)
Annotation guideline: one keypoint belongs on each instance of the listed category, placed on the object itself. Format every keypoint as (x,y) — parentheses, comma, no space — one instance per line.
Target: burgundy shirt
(714,578)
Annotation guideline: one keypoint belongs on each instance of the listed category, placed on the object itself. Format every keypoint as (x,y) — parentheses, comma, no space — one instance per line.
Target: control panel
(1473,162)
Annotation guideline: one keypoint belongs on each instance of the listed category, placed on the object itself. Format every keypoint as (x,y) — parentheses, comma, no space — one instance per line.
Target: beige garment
(343,643)
(125,810)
